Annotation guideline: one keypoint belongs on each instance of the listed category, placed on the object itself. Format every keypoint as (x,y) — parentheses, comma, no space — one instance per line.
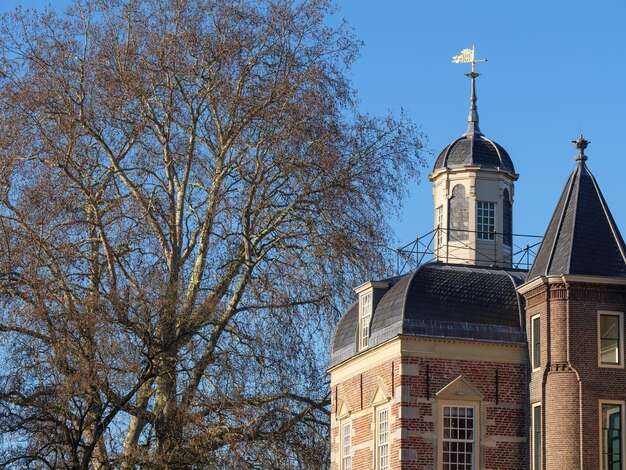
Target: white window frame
(439,227)
(365,318)
(620,363)
(534,444)
(536,365)
(345,444)
(486,232)
(382,445)
(601,427)
(475,436)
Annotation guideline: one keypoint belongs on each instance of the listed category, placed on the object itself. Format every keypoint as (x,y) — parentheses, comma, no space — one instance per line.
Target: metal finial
(467,56)
(581,145)
(472,117)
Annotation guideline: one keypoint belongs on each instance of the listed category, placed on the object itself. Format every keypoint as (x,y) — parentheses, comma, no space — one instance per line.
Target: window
(366,315)
(439,222)
(459,214)
(346,451)
(486,220)
(507,218)
(536,437)
(611,435)
(382,440)
(458,437)
(535,341)
(610,343)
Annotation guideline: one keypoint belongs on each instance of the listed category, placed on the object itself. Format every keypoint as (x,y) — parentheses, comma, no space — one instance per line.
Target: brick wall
(414,410)
(570,384)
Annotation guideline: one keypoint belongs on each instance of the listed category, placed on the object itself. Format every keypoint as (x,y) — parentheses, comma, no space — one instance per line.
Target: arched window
(507,219)
(459,214)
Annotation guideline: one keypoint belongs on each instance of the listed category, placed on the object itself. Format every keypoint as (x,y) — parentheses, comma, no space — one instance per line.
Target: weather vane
(467,57)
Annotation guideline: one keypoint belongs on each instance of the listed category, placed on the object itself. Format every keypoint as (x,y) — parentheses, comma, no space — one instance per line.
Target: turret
(575,297)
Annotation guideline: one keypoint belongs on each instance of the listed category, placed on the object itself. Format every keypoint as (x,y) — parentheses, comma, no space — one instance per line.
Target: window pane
(458,437)
(346,460)
(610,339)
(383,438)
(611,437)
(536,337)
(485,220)
(439,227)
(366,314)
(537,438)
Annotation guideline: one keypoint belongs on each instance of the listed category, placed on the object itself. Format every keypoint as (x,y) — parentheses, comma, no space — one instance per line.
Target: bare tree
(186,190)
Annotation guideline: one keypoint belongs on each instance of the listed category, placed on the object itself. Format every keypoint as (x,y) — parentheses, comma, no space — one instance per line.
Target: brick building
(467,363)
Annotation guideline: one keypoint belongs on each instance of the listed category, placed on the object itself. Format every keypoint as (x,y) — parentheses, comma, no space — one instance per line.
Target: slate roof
(442,301)
(582,237)
(474,150)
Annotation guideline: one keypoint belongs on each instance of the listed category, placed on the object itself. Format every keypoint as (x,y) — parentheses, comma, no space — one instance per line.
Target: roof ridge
(448,149)
(570,184)
(578,174)
(408,286)
(495,147)
(607,214)
(520,310)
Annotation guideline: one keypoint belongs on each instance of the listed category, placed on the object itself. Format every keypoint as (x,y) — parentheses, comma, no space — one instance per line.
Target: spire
(582,237)
(472,117)
(468,56)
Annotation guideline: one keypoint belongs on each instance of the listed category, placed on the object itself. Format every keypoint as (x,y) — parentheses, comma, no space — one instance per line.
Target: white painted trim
(474,169)
(459,389)
(476,404)
(533,444)
(371,285)
(620,364)
(429,347)
(618,281)
(380,395)
(600,425)
(343,410)
(534,367)
(362,340)
(377,412)
(342,456)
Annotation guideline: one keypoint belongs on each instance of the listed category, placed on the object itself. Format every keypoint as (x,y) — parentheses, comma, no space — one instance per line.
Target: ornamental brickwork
(497,389)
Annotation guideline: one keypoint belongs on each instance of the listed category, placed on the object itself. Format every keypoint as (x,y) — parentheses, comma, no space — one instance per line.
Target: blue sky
(555,69)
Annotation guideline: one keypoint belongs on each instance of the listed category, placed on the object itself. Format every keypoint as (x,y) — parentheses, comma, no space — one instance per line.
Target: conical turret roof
(582,238)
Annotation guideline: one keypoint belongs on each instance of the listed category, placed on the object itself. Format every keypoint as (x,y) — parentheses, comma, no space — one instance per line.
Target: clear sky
(555,68)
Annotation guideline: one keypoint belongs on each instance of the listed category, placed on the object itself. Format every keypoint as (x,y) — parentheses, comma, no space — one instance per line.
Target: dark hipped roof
(582,237)
(442,301)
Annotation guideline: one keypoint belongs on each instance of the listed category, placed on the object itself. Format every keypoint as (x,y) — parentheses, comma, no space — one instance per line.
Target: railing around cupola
(424,249)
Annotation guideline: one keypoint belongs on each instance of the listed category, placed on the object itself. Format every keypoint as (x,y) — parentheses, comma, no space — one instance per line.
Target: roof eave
(569,278)
(447,170)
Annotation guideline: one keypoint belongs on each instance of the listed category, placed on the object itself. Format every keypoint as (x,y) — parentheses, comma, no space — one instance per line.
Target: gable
(380,395)
(459,389)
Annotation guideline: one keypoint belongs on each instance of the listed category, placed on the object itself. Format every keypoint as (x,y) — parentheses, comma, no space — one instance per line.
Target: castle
(467,363)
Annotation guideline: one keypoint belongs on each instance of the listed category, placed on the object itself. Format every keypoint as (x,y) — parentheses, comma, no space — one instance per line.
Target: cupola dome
(473,149)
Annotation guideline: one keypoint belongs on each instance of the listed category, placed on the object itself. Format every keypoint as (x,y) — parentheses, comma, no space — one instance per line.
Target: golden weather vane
(467,56)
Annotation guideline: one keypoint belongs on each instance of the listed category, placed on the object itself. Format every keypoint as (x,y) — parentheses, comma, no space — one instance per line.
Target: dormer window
(369,294)
(365,307)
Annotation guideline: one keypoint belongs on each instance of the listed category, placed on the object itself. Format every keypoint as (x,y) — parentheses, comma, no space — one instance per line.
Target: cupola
(473,188)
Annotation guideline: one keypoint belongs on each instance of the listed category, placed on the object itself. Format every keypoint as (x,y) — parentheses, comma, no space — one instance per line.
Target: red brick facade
(570,385)
(415,405)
